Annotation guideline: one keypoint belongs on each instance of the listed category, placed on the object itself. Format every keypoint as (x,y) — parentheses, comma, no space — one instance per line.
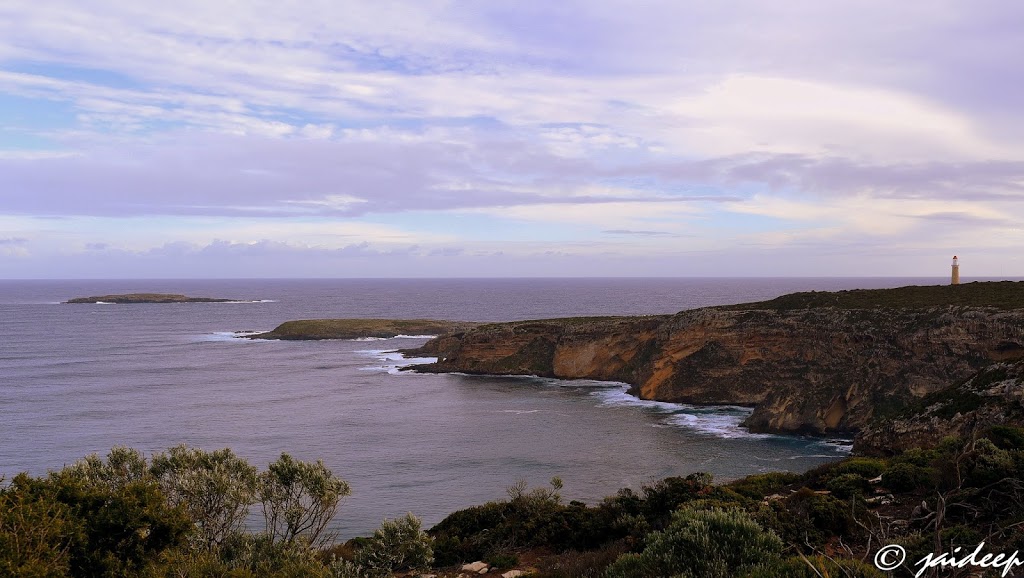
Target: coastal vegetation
(180,514)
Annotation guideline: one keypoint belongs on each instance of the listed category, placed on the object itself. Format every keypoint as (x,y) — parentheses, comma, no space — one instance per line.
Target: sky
(521,138)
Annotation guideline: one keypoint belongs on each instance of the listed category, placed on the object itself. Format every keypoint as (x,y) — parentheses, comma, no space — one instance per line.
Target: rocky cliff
(813,362)
(992,397)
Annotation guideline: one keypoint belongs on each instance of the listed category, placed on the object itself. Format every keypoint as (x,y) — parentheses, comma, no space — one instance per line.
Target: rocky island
(815,362)
(316,329)
(146,298)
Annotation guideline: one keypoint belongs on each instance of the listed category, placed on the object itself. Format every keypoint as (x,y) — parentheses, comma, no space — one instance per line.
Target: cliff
(145,298)
(992,397)
(809,362)
(315,329)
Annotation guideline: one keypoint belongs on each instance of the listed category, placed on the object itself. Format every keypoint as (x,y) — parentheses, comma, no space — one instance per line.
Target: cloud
(440,131)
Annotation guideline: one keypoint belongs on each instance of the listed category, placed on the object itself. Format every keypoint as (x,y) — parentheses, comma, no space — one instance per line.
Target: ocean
(80,379)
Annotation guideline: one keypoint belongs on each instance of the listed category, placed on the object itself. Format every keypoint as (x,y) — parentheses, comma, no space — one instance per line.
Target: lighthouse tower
(955,280)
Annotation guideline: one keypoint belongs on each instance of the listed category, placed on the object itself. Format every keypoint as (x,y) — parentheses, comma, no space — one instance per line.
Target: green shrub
(398,544)
(1007,437)
(35,530)
(905,477)
(846,486)
(809,518)
(502,560)
(701,544)
(760,485)
(867,468)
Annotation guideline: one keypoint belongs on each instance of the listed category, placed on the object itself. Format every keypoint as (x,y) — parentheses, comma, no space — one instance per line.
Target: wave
(721,421)
(230,336)
(251,301)
(391,361)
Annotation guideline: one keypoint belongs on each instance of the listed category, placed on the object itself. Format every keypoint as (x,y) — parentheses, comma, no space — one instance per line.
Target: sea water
(80,379)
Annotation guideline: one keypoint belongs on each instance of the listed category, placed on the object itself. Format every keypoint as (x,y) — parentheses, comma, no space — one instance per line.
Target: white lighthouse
(955,279)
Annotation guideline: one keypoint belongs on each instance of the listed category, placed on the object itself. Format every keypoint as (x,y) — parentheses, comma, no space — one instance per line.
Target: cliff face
(817,370)
(992,397)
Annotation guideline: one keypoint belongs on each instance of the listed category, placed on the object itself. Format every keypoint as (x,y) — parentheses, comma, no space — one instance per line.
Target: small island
(146,298)
(316,329)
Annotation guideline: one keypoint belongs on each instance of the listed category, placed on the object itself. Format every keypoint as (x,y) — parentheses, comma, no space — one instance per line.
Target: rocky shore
(814,362)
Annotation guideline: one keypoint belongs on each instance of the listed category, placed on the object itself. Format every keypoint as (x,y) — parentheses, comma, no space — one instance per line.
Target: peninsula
(316,329)
(146,298)
(815,362)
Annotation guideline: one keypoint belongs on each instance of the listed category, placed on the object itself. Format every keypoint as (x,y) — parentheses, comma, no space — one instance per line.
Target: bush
(1007,437)
(398,544)
(809,518)
(867,468)
(905,477)
(124,522)
(35,530)
(760,485)
(846,486)
(702,544)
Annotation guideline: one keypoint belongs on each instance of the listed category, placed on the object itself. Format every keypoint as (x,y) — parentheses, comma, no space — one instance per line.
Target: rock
(475,567)
(814,362)
(315,329)
(145,298)
(993,396)
(513,574)
(484,571)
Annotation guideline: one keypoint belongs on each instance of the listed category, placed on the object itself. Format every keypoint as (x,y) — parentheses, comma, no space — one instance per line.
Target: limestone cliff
(818,368)
(992,397)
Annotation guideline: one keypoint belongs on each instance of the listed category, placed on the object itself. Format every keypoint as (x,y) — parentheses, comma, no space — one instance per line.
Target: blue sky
(446,138)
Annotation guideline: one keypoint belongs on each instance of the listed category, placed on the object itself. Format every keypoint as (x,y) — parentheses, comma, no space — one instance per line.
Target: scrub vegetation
(183,512)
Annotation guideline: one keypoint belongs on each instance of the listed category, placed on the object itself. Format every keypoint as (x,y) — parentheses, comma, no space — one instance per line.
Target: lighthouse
(955,280)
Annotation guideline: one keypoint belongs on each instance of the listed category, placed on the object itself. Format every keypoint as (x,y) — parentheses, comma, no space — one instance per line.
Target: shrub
(905,477)
(809,518)
(761,485)
(398,544)
(866,468)
(35,530)
(1007,437)
(702,544)
(846,486)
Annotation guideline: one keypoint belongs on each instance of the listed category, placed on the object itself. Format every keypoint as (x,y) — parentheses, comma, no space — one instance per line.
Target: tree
(299,499)
(216,489)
